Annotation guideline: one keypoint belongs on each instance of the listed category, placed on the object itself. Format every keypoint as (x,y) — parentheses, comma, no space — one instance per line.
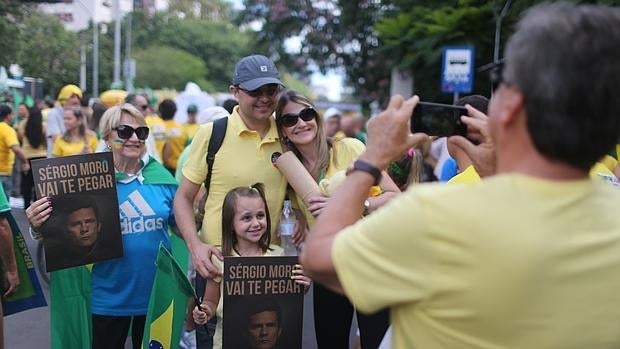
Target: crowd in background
(163,160)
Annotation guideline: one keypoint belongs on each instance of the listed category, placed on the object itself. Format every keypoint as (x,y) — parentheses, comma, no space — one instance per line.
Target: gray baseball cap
(254,71)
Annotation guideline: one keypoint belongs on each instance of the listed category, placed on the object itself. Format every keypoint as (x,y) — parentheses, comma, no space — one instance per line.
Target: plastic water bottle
(287,229)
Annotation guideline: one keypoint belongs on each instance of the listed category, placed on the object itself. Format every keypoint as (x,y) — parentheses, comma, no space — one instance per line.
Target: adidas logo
(135,213)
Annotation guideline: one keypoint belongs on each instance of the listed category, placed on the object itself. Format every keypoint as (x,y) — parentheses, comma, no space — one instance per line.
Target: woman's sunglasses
(290,119)
(126,131)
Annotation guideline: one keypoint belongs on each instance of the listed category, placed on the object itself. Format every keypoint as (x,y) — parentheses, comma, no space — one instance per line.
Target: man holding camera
(527,258)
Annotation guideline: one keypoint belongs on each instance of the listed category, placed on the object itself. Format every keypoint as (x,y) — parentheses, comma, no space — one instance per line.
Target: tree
(167,67)
(12,13)
(48,51)
(331,33)
(218,44)
(414,33)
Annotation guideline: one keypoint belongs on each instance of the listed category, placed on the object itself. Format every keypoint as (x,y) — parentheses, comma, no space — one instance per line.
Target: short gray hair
(565,60)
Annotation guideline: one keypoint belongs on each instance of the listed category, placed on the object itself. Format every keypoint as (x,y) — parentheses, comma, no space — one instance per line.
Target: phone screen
(441,120)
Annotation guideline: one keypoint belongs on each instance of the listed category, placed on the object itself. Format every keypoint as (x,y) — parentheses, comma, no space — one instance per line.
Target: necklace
(244,254)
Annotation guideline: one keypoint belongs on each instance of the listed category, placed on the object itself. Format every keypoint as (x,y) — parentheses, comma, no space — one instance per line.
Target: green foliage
(414,39)
(12,13)
(332,34)
(47,50)
(167,67)
(294,84)
(218,44)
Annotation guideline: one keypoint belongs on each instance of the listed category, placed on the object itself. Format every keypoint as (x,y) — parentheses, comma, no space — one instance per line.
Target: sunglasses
(268,91)
(291,119)
(126,131)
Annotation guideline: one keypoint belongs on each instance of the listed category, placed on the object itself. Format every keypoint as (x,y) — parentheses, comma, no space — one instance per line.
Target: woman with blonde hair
(121,287)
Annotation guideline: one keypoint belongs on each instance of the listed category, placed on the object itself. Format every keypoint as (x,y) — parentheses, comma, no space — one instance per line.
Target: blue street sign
(457,69)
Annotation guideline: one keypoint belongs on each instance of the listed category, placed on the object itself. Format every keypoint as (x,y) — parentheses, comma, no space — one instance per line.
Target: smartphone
(441,120)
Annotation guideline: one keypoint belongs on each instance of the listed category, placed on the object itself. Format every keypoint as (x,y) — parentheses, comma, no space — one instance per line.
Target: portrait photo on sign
(84,225)
(82,230)
(262,306)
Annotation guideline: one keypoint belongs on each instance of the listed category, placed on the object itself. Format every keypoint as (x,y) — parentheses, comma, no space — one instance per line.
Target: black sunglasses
(290,119)
(126,131)
(268,91)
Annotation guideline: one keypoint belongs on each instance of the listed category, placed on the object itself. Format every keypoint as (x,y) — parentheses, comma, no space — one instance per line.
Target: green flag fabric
(167,305)
(70,293)
(28,295)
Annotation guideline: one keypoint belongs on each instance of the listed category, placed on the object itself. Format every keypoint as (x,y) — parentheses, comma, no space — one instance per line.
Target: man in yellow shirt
(244,158)
(9,148)
(191,126)
(527,258)
(175,137)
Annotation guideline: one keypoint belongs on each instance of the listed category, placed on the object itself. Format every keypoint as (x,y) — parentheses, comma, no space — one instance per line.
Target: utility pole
(498,29)
(95,57)
(116,78)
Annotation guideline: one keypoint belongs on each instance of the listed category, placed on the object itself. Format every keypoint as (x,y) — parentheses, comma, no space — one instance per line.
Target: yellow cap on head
(67,91)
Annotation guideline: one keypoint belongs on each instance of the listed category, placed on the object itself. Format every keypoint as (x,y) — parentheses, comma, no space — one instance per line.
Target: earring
(108,148)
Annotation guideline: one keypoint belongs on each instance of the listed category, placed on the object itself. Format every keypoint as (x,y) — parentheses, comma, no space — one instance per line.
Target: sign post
(457,70)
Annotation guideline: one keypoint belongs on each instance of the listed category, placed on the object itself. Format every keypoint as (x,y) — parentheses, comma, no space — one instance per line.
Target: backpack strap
(215,142)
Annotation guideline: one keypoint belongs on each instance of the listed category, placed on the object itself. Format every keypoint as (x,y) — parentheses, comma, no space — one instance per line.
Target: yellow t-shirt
(29,151)
(64,148)
(243,160)
(176,140)
(346,151)
(8,139)
(157,129)
(190,131)
(510,262)
(469,175)
(217,338)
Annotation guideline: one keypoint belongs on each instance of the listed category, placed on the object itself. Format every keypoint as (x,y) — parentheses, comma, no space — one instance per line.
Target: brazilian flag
(167,305)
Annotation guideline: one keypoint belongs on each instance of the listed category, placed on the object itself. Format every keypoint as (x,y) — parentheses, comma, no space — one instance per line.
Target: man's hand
(388,133)
(201,258)
(483,154)
(11,282)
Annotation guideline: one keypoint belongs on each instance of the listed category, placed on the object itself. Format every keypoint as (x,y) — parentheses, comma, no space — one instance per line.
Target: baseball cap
(67,91)
(330,113)
(192,108)
(254,71)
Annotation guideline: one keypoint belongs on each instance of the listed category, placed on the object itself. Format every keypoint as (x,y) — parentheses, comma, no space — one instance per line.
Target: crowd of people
(515,245)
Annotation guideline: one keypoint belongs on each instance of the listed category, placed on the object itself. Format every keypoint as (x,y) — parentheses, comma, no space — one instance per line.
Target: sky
(330,83)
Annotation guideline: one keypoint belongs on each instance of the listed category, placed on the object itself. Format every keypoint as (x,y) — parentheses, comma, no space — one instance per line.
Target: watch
(366,207)
(363,166)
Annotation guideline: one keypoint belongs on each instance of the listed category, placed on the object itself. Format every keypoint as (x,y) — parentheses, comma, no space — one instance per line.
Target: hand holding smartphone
(441,120)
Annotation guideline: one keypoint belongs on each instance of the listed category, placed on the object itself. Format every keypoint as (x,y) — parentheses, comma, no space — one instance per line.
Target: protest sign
(84,225)
(262,304)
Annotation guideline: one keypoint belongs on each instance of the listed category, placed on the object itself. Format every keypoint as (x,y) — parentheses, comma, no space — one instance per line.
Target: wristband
(363,166)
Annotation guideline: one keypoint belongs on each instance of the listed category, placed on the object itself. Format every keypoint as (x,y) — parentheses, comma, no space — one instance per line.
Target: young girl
(245,233)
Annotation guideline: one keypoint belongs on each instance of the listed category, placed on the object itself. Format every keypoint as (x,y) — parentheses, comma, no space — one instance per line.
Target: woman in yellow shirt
(301,131)
(75,140)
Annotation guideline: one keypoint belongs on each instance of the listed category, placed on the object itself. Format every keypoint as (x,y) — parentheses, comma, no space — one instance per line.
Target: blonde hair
(112,118)
(322,142)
